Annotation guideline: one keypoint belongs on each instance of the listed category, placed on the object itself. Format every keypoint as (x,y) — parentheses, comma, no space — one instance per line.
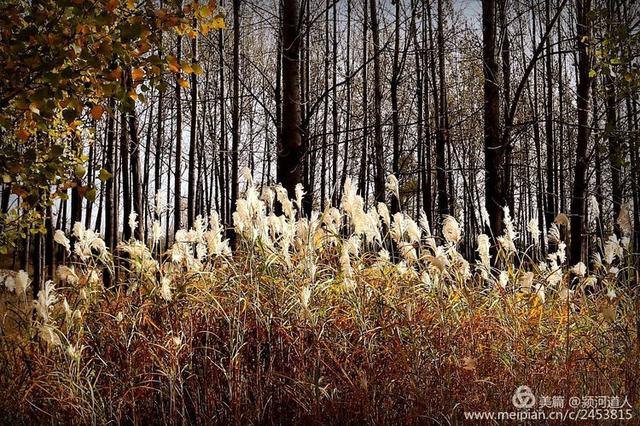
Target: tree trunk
(362,175)
(290,146)
(222,145)
(109,208)
(379,178)
(191,184)
(134,145)
(235,109)
(550,211)
(583,8)
(126,181)
(395,119)
(177,170)
(493,149)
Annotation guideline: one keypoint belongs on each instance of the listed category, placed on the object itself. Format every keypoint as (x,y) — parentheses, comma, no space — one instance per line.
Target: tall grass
(351,315)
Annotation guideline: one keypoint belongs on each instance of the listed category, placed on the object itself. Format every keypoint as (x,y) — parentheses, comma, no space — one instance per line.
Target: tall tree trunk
(158,154)
(616,157)
(177,170)
(493,149)
(48,243)
(134,144)
(290,147)
(362,175)
(222,145)
(334,110)
(325,115)
(347,134)
(442,137)
(419,109)
(235,109)
(191,196)
(37,262)
(506,85)
(550,211)
(395,119)
(427,196)
(379,178)
(90,178)
(305,78)
(583,7)
(76,197)
(146,169)
(440,163)
(109,207)
(125,179)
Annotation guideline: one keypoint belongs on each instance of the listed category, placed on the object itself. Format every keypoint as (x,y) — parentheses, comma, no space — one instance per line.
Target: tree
(378,145)
(62,58)
(494,151)
(290,145)
(177,170)
(235,107)
(193,131)
(583,85)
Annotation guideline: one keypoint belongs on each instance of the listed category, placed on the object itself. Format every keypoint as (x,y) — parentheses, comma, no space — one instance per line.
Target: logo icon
(523,397)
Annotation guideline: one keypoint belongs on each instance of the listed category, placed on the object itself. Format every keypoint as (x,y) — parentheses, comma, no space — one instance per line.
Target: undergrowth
(349,316)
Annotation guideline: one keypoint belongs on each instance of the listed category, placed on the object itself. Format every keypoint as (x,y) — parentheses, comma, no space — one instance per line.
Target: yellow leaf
(218,22)
(204,28)
(137,74)
(133,95)
(131,4)
(187,68)
(96,112)
(204,11)
(197,69)
(183,83)
(173,64)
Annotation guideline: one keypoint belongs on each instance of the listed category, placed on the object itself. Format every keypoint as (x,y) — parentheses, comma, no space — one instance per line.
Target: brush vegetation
(350,315)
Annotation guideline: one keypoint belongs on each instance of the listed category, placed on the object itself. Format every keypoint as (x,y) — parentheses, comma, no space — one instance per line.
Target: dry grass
(262,338)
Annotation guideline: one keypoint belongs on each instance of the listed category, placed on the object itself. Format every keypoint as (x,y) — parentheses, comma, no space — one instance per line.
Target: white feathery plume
(484,215)
(161,204)
(424,223)
(60,238)
(245,172)
(503,279)
(156,232)
(451,229)
(483,250)
(133,221)
(10,283)
(165,289)
(509,236)
(299,195)
(579,269)
(46,298)
(393,186)
(414,234)
(383,211)
(534,231)
(21,282)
